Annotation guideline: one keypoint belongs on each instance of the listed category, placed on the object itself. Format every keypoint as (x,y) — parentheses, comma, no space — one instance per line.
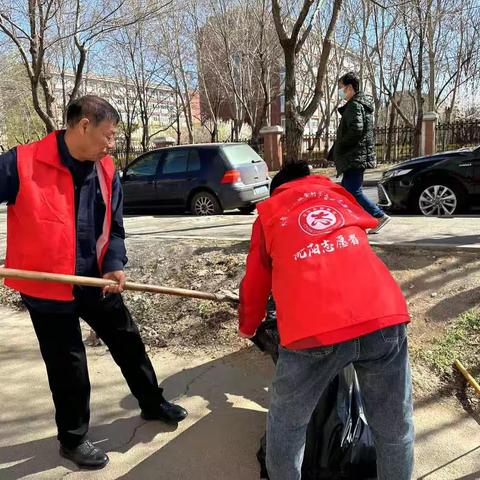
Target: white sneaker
(381,223)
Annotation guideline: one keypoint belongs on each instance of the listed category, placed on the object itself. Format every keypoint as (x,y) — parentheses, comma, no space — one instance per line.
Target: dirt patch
(439,287)
(187,325)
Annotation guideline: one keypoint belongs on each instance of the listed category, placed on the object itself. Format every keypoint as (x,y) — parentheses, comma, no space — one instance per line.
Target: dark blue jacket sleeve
(9,183)
(116,256)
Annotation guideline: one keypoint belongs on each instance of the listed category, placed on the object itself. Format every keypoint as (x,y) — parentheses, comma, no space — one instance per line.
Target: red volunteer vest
(326,276)
(41,233)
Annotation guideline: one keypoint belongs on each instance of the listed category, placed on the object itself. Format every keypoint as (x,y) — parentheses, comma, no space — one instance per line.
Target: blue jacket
(90,212)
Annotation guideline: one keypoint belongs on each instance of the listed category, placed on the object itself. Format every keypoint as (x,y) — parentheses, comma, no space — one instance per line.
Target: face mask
(341,93)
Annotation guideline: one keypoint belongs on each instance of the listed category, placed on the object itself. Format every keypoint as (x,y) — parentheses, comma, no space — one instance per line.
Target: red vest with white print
(41,232)
(325,275)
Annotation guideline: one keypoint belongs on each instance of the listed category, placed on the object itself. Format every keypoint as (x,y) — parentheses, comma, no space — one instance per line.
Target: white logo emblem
(320,219)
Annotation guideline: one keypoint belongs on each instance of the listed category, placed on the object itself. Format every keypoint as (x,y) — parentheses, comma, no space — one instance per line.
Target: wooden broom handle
(101,282)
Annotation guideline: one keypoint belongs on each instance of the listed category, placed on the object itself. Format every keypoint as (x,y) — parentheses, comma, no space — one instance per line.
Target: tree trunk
(295,126)
(128,146)
(326,130)
(418,132)
(78,71)
(418,94)
(145,133)
(46,119)
(431,64)
(179,132)
(295,118)
(236,128)
(214,133)
(419,100)
(390,135)
(261,120)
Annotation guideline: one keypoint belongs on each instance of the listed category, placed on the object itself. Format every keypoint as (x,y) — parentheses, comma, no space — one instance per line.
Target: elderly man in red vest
(337,304)
(65,216)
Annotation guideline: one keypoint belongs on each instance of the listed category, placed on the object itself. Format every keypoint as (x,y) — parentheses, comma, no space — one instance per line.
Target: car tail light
(231,176)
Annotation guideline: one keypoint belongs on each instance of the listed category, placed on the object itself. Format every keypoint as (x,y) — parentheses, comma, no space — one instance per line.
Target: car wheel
(439,198)
(204,203)
(248,210)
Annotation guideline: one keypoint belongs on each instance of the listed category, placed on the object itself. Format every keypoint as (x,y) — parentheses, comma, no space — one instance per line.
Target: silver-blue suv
(205,179)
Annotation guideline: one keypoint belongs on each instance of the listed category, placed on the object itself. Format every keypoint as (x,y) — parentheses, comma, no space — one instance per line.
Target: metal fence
(315,149)
(391,146)
(123,156)
(452,136)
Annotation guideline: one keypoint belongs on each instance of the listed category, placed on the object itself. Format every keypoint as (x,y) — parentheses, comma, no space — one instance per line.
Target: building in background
(216,94)
(164,106)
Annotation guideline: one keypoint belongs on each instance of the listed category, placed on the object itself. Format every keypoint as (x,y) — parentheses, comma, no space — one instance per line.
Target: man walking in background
(354,149)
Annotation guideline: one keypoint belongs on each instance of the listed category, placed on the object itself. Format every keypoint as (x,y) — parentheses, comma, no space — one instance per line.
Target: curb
(400,245)
(429,246)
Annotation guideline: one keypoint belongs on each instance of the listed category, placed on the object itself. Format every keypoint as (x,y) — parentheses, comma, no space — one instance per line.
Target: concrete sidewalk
(446,232)
(441,232)
(227,400)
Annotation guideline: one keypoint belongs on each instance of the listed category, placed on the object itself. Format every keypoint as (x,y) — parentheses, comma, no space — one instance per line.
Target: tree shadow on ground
(42,455)
(223,443)
(471,476)
(234,388)
(455,305)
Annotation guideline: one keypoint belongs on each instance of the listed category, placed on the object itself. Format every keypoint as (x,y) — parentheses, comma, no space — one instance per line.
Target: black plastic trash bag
(339,444)
(267,338)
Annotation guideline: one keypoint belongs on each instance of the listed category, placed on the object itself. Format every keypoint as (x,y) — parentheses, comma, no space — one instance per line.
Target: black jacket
(355,144)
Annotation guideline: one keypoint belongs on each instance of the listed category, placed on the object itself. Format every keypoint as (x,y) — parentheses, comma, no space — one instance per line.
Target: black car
(442,184)
(205,179)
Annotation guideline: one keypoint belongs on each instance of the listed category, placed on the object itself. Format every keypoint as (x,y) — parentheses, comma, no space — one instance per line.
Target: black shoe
(167,412)
(86,455)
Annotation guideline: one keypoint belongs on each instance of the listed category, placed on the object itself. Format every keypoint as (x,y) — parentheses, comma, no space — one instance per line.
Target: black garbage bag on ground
(339,445)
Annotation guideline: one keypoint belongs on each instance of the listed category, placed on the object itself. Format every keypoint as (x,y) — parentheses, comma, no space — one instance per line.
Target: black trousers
(62,349)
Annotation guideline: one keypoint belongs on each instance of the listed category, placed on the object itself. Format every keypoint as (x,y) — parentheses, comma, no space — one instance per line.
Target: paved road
(454,231)
(461,231)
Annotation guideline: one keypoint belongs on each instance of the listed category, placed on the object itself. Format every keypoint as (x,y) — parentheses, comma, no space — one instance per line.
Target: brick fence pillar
(428,144)
(272,147)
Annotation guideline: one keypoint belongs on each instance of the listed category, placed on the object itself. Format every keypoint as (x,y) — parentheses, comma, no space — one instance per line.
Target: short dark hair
(94,108)
(288,173)
(352,79)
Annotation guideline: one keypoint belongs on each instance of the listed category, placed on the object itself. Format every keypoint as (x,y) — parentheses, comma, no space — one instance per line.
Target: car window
(145,166)
(210,155)
(194,164)
(241,154)
(175,161)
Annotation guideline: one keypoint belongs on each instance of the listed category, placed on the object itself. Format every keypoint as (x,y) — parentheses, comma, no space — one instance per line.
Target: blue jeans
(381,362)
(352,181)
